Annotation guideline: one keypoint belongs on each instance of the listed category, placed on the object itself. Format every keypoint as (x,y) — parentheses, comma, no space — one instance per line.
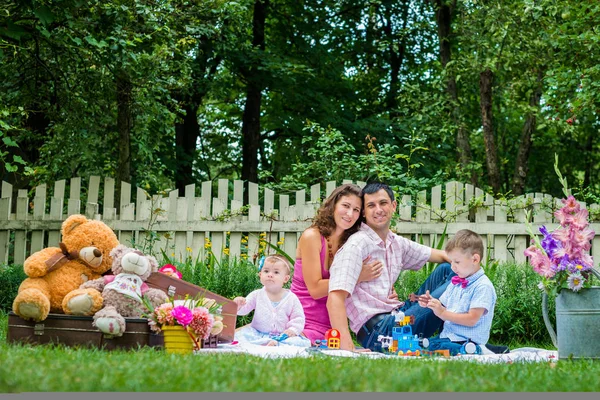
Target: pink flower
(580,219)
(539,261)
(571,205)
(171,270)
(571,243)
(563,217)
(202,322)
(183,315)
(163,314)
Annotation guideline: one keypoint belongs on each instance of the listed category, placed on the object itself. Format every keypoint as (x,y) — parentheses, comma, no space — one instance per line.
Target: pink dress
(315,311)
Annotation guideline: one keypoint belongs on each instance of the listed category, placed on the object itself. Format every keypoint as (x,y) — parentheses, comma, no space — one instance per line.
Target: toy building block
(280,337)
(332,336)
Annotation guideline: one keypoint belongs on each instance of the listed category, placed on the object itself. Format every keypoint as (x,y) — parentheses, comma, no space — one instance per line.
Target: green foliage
(333,158)
(369,76)
(11,277)
(9,147)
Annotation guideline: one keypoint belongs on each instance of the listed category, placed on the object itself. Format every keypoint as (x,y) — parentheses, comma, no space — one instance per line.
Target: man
(368,305)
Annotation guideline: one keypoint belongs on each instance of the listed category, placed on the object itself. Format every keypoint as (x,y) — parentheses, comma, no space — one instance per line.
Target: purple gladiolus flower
(183,315)
(549,243)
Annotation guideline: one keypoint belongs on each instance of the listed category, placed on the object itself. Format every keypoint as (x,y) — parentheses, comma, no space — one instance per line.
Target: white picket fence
(186,226)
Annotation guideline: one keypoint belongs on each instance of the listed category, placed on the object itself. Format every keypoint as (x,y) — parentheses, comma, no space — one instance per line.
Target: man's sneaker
(497,349)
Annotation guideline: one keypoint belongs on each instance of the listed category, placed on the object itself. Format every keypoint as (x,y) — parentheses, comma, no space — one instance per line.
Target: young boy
(278,315)
(467,304)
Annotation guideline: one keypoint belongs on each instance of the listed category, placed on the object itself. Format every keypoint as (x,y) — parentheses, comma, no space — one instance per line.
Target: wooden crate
(72,330)
(178,289)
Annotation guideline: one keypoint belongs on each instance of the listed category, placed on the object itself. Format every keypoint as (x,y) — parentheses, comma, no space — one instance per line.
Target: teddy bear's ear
(73,222)
(118,251)
(153,263)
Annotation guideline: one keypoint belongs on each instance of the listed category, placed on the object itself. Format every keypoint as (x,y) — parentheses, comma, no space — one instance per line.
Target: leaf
(13,31)
(10,168)
(19,159)
(45,16)
(9,142)
(92,41)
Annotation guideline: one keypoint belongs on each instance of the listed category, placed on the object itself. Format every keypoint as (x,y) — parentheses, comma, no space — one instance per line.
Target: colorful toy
(332,336)
(404,343)
(470,348)
(331,341)
(55,273)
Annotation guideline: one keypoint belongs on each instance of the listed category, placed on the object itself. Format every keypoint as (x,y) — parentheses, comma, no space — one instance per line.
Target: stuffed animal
(56,273)
(122,292)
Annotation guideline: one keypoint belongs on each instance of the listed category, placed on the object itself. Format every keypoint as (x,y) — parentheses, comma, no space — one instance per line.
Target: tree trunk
(396,58)
(186,136)
(486,79)
(251,117)
(522,161)
(124,126)
(444,10)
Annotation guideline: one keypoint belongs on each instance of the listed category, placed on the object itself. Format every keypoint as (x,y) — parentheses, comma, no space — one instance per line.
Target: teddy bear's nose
(97,253)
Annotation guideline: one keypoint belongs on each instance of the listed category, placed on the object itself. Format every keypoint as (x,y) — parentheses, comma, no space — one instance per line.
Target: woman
(336,220)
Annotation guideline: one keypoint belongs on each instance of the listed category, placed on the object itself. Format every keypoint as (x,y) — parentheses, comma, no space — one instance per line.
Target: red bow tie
(457,280)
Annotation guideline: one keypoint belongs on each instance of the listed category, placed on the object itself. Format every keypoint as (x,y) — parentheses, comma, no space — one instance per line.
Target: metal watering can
(577,322)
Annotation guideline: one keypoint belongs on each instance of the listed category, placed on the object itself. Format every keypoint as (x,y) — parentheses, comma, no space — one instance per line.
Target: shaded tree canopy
(166,93)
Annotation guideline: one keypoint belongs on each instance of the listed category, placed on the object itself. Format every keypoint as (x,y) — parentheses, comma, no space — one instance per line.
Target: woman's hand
(370,270)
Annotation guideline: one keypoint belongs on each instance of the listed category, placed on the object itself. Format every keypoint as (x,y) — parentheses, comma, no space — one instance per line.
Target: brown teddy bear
(122,292)
(55,274)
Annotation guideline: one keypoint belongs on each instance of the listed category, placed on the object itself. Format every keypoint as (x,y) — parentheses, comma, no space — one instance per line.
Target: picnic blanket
(524,354)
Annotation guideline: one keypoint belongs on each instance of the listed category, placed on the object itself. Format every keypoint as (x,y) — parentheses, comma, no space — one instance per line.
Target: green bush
(11,277)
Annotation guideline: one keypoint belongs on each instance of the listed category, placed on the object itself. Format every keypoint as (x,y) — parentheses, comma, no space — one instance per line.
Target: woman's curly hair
(324,221)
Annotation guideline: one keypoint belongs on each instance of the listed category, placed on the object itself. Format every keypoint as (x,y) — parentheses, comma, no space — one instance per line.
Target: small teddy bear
(122,292)
(54,274)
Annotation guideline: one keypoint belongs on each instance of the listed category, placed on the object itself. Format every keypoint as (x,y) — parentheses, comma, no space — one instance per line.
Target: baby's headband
(261,263)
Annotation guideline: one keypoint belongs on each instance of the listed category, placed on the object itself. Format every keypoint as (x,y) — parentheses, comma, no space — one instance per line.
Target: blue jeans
(426,323)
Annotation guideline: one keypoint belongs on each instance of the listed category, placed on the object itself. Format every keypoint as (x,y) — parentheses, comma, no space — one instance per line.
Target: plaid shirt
(479,293)
(367,299)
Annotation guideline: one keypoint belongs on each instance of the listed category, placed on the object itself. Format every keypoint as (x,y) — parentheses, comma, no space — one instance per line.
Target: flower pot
(577,323)
(177,340)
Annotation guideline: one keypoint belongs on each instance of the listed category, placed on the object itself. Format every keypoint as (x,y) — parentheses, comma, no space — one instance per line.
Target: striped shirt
(479,293)
(367,299)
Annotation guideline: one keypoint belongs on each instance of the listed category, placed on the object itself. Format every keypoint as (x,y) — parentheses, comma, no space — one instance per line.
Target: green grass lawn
(56,369)
(25,368)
